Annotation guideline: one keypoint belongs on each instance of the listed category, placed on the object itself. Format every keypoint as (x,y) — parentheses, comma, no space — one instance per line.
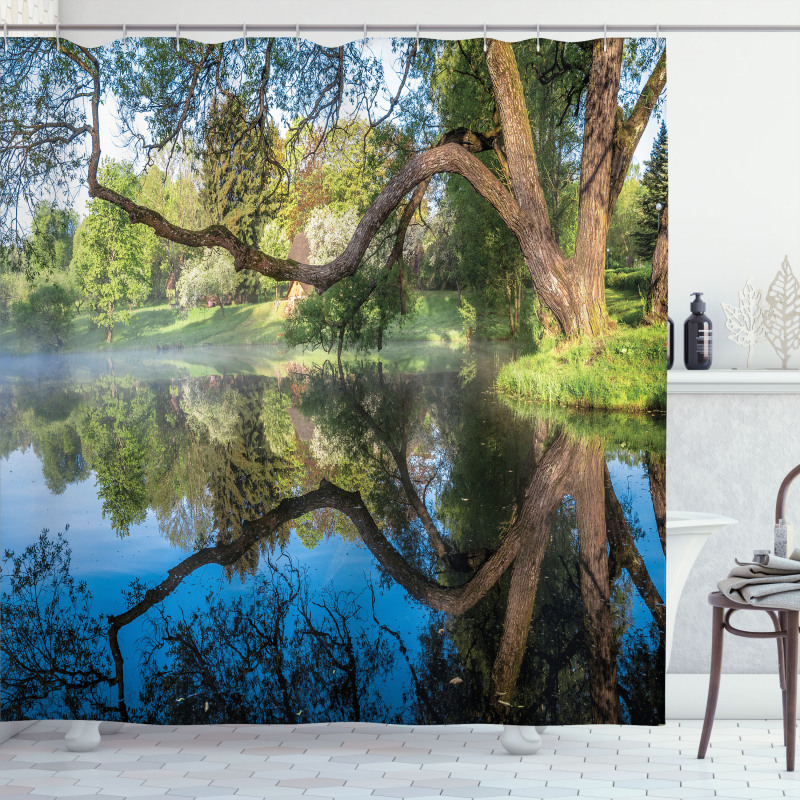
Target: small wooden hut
(299,251)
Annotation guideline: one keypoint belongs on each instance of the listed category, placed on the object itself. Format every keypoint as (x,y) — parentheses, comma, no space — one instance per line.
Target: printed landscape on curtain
(333,381)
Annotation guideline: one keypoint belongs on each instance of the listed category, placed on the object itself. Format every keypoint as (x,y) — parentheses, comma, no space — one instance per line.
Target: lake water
(241,536)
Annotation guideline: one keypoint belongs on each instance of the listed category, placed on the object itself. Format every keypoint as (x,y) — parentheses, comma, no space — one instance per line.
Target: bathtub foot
(82,736)
(521,740)
(111,727)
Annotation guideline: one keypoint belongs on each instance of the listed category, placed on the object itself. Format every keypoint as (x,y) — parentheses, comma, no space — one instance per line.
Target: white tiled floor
(746,760)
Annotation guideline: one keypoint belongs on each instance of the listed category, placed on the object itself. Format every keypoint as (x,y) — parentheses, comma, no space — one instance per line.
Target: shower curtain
(334,381)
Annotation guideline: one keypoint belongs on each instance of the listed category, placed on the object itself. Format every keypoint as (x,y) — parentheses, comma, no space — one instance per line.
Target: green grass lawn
(436,320)
(626,370)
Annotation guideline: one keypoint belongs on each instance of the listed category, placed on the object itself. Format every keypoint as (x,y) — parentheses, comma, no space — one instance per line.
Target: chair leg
(790,716)
(781,642)
(717,631)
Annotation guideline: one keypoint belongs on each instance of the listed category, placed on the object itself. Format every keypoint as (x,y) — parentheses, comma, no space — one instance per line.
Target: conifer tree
(654,185)
(237,186)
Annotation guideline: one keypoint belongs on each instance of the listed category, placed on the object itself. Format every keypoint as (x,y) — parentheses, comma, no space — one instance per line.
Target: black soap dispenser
(697,336)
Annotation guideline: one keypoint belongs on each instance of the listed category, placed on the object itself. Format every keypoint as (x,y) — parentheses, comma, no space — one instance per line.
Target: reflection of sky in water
(108,563)
(631,481)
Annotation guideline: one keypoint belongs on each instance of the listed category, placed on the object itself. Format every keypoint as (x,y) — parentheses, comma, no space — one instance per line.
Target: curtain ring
(485,46)
(244,37)
(537,37)
(658,36)
(5,35)
(365,34)
(124,35)
(605,37)
(58,37)
(177,38)
(418,36)
(297,36)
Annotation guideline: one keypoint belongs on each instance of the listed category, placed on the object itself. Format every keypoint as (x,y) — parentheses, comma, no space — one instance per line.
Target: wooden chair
(785,624)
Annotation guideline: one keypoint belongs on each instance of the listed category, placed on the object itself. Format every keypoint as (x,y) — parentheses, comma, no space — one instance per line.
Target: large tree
(111,255)
(50,134)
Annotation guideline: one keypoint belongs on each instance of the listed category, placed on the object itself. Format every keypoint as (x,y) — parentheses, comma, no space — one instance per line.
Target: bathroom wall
(727,454)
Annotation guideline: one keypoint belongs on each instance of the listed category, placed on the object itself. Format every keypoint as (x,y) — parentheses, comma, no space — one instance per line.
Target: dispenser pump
(697,305)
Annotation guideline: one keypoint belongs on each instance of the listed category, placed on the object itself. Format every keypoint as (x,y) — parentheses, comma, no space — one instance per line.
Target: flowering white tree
(329,232)
(211,275)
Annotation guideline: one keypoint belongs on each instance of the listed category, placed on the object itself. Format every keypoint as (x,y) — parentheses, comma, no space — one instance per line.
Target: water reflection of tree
(54,662)
(276,655)
(520,585)
(220,467)
(47,419)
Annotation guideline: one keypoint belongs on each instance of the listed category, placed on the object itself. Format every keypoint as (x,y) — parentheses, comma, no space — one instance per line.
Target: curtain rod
(412,30)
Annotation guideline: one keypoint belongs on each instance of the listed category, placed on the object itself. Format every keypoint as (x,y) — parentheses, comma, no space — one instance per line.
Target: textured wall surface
(727,454)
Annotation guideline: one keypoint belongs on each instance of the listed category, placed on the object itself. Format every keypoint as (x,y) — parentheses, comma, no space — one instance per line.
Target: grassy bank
(624,371)
(437,320)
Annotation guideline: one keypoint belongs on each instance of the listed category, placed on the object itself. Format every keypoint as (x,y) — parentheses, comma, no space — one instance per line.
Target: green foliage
(654,190)
(234,193)
(120,444)
(636,280)
(46,316)
(14,288)
(110,259)
(626,371)
(624,222)
(48,249)
(468,316)
(345,171)
(172,190)
(275,241)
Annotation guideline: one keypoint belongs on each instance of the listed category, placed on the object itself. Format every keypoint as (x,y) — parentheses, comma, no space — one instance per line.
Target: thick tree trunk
(594,213)
(657,293)
(589,496)
(526,572)
(521,601)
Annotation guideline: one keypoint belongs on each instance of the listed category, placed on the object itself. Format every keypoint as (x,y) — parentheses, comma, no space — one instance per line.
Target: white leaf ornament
(783,324)
(747,322)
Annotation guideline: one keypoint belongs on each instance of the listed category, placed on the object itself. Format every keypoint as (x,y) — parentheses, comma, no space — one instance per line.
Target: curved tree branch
(449,157)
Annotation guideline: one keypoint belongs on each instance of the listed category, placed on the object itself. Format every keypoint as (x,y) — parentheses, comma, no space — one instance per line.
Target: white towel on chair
(775,584)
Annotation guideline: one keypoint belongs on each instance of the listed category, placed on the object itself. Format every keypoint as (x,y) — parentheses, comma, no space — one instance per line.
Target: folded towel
(775,583)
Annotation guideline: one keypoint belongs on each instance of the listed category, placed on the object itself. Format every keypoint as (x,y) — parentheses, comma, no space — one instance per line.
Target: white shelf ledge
(734,381)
